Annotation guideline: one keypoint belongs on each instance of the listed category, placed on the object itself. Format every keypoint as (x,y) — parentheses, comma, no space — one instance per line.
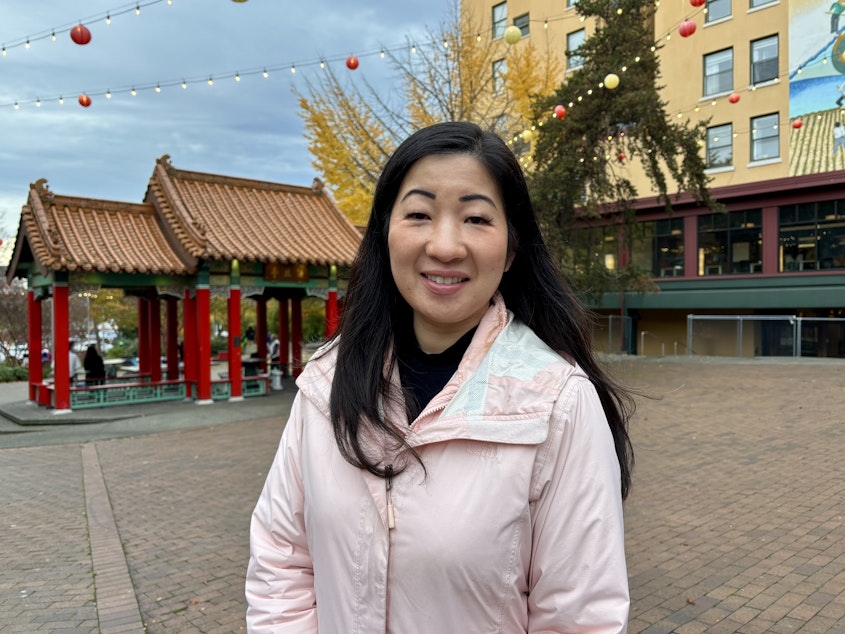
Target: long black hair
(533,289)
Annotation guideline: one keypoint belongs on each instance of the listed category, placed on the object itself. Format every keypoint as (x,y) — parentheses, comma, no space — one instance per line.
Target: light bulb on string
(27,43)
(381,54)
(17,107)
(322,64)
(108,19)
(184,85)
(137,9)
(292,69)
(108,94)
(210,81)
(61,101)
(265,73)
(237,77)
(53,36)
(158,88)
(37,103)
(133,92)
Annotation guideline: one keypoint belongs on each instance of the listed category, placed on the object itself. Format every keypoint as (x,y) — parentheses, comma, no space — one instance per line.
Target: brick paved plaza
(735,523)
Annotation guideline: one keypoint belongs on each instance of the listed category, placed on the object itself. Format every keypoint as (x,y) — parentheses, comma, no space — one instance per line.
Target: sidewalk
(735,522)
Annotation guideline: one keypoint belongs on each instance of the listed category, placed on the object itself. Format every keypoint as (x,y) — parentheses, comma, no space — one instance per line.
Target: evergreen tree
(584,163)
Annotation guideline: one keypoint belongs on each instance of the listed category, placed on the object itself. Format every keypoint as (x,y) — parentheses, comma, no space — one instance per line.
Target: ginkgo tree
(457,74)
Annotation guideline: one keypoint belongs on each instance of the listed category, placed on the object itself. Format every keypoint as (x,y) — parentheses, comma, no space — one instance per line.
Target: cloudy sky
(247,128)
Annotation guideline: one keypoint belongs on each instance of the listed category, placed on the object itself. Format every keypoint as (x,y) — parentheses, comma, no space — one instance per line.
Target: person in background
(74,364)
(95,368)
(455,459)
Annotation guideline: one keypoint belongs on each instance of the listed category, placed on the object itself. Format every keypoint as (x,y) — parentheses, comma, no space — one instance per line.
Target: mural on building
(816,86)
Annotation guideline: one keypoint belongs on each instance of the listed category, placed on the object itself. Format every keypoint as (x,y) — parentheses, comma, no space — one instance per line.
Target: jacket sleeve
(280,576)
(578,580)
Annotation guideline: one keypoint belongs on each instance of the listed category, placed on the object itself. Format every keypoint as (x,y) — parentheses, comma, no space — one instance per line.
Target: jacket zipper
(388,483)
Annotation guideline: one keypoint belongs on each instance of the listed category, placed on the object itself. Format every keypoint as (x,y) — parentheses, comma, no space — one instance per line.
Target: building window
(812,236)
(571,3)
(522,22)
(573,41)
(658,247)
(718,9)
(765,140)
(500,69)
(730,243)
(719,72)
(764,59)
(753,4)
(500,19)
(720,146)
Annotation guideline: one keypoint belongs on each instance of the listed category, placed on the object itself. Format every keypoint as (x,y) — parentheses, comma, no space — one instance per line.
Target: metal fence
(765,335)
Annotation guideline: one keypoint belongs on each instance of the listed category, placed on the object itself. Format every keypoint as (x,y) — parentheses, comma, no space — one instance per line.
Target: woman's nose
(446,242)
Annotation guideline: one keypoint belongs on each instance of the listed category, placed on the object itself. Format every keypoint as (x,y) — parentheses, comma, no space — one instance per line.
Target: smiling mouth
(438,279)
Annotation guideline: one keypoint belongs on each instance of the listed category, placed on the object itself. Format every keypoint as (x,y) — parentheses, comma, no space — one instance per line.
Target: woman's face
(448,244)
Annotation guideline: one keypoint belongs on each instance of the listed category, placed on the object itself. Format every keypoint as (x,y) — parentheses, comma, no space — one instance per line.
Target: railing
(653,336)
(126,394)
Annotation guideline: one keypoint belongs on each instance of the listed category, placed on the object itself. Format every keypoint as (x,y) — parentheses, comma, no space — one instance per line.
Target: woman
(95,368)
(455,460)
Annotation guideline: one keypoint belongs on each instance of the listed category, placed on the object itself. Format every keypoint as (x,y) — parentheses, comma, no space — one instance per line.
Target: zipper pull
(388,483)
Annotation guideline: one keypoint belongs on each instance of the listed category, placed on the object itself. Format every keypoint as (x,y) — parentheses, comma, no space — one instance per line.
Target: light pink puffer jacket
(516,526)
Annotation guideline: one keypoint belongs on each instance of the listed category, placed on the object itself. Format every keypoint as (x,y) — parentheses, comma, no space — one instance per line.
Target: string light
(158,88)
(108,94)
(133,92)
(137,10)
(237,77)
(184,85)
(210,81)
(108,19)
(265,73)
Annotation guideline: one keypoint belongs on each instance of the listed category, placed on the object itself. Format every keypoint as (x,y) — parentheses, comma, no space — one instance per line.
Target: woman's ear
(509,261)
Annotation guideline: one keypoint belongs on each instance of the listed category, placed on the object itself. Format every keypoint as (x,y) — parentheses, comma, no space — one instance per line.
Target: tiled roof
(72,234)
(225,218)
(186,216)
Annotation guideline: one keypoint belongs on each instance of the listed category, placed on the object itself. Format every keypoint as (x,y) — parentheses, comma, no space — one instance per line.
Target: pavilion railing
(126,394)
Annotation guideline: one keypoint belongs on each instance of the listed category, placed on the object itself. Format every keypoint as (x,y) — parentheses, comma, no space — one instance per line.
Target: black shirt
(424,375)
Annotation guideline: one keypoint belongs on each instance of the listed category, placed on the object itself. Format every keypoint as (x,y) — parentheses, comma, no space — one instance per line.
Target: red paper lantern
(686,28)
(697,3)
(797,124)
(84,100)
(733,97)
(560,112)
(351,62)
(621,157)
(80,34)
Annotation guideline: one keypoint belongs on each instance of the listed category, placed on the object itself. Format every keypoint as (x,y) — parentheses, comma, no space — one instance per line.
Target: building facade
(768,276)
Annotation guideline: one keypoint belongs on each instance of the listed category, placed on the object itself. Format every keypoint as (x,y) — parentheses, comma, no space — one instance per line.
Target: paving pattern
(735,522)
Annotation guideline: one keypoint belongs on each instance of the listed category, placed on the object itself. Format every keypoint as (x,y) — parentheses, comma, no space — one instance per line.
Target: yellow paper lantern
(611,81)
(512,34)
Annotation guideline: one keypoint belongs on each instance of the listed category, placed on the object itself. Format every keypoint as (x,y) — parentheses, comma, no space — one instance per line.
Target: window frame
(500,69)
(523,23)
(574,61)
(712,60)
(758,45)
(500,23)
(711,147)
(720,4)
(759,124)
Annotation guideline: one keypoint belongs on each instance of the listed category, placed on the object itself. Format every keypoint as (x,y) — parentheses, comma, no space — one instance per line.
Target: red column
(284,335)
(770,254)
(143,336)
(61,347)
(203,345)
(234,326)
(172,334)
(33,313)
(296,334)
(331,312)
(261,331)
(155,338)
(190,349)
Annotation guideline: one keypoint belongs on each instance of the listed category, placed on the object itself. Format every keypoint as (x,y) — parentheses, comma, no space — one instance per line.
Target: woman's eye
(416,215)
(478,220)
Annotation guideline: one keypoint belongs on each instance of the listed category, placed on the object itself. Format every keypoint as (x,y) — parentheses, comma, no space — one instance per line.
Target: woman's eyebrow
(464,199)
(421,192)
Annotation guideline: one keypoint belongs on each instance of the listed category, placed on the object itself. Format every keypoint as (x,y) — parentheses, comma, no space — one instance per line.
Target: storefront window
(658,247)
(812,236)
(730,243)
